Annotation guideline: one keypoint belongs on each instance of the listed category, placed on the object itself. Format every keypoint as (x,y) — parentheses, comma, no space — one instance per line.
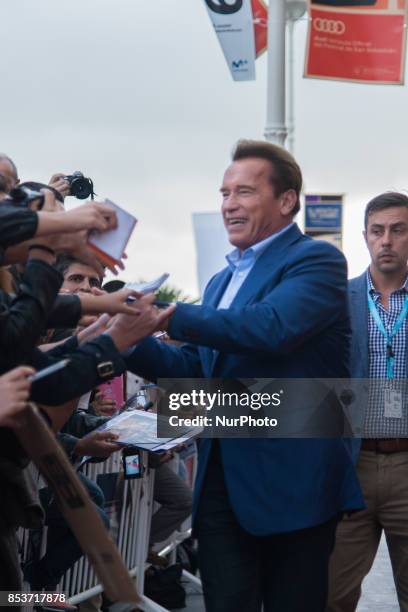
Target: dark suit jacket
(288,320)
(359,358)
(359,363)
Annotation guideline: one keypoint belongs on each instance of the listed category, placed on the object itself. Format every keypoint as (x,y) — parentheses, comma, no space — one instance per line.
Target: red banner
(260,15)
(357,42)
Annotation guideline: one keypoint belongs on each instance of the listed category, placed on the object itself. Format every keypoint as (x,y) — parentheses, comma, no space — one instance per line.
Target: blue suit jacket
(288,320)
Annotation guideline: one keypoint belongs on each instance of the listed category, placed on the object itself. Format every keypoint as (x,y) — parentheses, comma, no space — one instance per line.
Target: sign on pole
(357,40)
(324,218)
(233,24)
(260,16)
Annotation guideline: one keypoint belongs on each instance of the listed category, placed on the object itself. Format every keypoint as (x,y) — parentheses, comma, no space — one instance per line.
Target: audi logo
(329,26)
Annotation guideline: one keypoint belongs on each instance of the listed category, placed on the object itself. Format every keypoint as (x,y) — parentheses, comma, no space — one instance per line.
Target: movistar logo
(223,7)
(239,64)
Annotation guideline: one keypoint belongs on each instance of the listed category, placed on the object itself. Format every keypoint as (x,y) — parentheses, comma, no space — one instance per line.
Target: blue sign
(323,216)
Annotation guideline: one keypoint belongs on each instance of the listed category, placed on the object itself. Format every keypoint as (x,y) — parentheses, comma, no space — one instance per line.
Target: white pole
(291,87)
(276,130)
(295,9)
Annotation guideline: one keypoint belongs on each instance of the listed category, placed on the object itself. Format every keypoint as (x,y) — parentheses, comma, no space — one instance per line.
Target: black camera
(23,196)
(80,186)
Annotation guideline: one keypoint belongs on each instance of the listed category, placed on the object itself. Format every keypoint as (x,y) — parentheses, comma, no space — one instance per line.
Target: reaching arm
(23,317)
(153,359)
(306,301)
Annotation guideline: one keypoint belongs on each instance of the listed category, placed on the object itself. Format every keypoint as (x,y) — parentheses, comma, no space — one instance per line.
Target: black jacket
(79,424)
(78,377)
(23,320)
(23,317)
(17,224)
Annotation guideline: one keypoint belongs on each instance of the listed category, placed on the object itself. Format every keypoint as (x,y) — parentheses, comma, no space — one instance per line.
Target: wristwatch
(105,369)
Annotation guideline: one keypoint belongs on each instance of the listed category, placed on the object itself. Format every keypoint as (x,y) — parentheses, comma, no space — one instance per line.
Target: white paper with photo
(139,428)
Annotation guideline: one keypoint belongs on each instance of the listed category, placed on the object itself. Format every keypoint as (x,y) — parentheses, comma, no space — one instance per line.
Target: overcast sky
(137,95)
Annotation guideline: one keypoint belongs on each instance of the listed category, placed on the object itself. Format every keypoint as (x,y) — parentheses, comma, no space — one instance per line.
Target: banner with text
(233,24)
(324,218)
(357,40)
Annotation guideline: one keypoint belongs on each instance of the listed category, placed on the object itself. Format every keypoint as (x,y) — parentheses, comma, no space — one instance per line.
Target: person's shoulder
(311,247)
(358,283)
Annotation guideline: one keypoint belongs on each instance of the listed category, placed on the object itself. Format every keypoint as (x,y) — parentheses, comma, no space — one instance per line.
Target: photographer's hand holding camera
(59,182)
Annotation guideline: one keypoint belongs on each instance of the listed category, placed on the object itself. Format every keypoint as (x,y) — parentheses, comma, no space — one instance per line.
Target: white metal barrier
(131,532)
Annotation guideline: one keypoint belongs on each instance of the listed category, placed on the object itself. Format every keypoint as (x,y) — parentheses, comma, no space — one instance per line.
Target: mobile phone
(49,370)
(132,463)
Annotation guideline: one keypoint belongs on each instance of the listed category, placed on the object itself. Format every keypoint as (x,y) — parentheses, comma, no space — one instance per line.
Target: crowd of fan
(53,306)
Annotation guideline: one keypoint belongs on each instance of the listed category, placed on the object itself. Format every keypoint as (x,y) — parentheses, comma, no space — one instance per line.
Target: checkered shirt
(376,425)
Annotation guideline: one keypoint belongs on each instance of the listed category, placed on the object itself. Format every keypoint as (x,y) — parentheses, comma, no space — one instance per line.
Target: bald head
(8,174)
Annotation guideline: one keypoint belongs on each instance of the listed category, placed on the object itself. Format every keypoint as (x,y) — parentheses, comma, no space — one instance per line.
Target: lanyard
(388,336)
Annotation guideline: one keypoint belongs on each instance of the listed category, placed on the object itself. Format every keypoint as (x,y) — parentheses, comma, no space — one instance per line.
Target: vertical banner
(357,40)
(260,16)
(211,244)
(233,24)
(324,218)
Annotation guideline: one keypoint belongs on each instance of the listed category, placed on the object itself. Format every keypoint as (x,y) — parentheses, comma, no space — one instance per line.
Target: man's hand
(58,182)
(96,328)
(110,303)
(126,330)
(14,394)
(92,216)
(97,444)
(103,406)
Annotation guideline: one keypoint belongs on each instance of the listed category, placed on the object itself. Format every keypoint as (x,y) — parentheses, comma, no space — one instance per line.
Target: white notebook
(110,245)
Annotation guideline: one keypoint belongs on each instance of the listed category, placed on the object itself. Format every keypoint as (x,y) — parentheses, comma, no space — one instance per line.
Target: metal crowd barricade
(131,532)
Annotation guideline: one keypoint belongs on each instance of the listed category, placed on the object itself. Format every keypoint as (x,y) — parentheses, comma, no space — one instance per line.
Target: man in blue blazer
(379,350)
(265,509)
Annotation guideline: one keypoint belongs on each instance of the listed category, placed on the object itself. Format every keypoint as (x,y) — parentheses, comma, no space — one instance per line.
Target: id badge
(392,404)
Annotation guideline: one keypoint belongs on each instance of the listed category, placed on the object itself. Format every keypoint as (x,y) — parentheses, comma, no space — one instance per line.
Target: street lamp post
(279,12)
(276,130)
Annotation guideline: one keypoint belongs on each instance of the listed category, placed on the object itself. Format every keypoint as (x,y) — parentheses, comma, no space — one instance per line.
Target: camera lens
(81,187)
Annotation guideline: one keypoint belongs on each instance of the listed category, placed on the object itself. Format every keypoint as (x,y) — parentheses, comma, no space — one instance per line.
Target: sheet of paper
(139,428)
(149,287)
(111,245)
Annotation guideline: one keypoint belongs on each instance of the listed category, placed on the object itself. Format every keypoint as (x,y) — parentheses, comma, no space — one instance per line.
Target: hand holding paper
(98,216)
(110,303)
(110,245)
(97,444)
